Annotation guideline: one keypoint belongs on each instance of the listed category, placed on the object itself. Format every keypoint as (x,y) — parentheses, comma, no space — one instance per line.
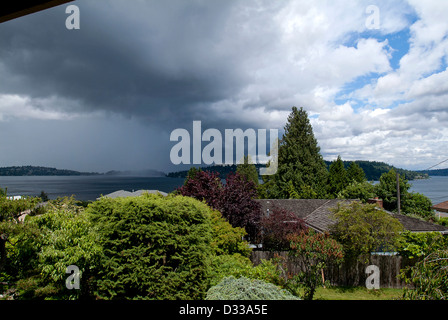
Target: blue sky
(107,96)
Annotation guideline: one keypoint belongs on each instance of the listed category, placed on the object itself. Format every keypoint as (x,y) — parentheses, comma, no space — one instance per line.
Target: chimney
(378,202)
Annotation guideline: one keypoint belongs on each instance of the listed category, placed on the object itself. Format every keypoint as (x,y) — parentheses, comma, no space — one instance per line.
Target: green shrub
(231,288)
(443,221)
(48,244)
(414,244)
(428,278)
(238,266)
(227,240)
(154,247)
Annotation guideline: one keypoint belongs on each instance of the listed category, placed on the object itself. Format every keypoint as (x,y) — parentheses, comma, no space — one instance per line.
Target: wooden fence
(348,274)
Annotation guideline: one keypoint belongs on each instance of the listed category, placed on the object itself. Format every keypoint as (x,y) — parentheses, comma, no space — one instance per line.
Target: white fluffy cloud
(403,114)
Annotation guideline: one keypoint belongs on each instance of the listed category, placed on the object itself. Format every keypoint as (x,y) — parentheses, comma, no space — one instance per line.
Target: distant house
(441,207)
(317,214)
(14,197)
(125,194)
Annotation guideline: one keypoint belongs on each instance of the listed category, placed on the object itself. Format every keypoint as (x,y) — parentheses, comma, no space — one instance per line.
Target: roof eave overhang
(13,9)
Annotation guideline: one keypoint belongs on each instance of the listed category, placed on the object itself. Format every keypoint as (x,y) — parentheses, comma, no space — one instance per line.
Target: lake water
(92,187)
(435,188)
(84,187)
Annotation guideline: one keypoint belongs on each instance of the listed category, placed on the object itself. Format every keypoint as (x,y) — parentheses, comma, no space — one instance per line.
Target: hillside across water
(372,169)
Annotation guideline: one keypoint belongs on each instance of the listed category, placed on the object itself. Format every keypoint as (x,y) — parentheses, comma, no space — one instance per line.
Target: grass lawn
(357,293)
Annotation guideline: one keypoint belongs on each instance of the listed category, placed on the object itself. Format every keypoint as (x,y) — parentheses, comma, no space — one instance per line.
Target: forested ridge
(40,171)
(372,169)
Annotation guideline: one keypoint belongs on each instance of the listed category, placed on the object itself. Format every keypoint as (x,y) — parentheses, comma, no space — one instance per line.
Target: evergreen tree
(410,202)
(358,190)
(337,177)
(248,169)
(299,160)
(355,173)
(191,174)
(387,189)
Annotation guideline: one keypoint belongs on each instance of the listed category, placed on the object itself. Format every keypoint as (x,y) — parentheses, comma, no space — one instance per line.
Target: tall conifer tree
(248,169)
(300,164)
(337,177)
(355,173)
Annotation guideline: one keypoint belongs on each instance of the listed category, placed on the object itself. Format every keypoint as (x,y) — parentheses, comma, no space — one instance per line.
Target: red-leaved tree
(234,199)
(238,205)
(277,226)
(204,186)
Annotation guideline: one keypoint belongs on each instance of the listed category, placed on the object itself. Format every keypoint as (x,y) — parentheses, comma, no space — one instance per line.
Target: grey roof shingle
(301,207)
(417,225)
(317,213)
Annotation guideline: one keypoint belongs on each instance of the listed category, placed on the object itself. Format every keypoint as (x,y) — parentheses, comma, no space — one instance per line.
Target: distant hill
(372,169)
(40,171)
(223,170)
(435,172)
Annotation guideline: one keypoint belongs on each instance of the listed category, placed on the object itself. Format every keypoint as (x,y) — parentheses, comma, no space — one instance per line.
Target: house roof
(124,193)
(417,225)
(12,9)
(442,207)
(301,207)
(318,214)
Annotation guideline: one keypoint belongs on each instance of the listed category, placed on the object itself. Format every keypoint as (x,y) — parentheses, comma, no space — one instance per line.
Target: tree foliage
(238,203)
(10,210)
(238,266)
(427,280)
(355,173)
(358,190)
(417,204)
(227,240)
(386,189)
(204,186)
(147,247)
(363,228)
(315,251)
(235,199)
(299,160)
(277,226)
(43,246)
(248,169)
(420,244)
(154,247)
(337,177)
(410,202)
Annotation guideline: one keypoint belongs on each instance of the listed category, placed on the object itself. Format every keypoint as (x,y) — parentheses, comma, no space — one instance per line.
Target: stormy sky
(108,95)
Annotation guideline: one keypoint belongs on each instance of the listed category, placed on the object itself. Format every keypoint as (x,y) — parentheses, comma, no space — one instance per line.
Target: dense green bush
(47,245)
(10,211)
(231,288)
(227,240)
(420,244)
(427,280)
(124,248)
(154,247)
(239,266)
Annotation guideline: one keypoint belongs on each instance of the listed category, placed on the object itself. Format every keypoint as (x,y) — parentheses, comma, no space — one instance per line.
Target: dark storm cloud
(154,61)
(137,69)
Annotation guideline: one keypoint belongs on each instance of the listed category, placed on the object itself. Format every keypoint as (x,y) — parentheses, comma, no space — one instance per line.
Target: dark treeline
(40,171)
(372,169)
(436,172)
